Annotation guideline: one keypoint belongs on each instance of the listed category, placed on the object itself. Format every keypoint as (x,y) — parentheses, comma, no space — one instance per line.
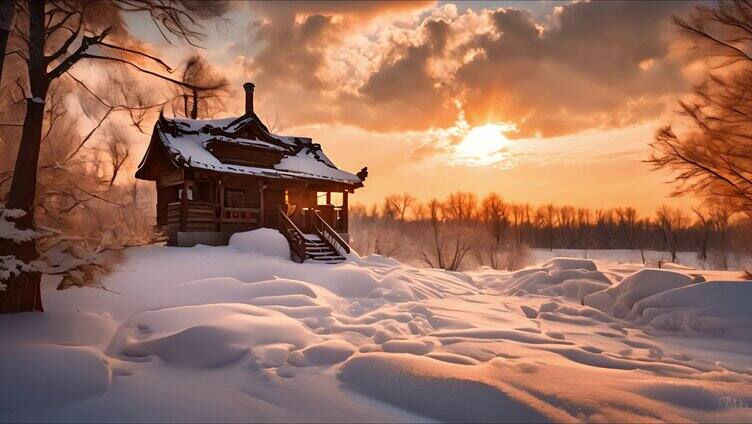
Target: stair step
(318,248)
(328,258)
(320,254)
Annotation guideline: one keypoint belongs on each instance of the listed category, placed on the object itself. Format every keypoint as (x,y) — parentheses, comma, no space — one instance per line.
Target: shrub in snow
(60,254)
(264,241)
(9,264)
(8,228)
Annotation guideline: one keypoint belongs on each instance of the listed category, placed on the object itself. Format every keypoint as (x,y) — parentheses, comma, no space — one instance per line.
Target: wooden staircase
(320,250)
(324,245)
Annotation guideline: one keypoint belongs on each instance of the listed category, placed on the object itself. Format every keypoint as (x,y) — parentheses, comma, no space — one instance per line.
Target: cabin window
(203,192)
(334,198)
(234,198)
(190,193)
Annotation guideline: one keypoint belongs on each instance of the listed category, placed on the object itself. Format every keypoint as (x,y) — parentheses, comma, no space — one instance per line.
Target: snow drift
(241,333)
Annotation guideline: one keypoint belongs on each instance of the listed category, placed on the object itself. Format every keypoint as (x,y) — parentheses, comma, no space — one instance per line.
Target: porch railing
(294,237)
(244,215)
(327,233)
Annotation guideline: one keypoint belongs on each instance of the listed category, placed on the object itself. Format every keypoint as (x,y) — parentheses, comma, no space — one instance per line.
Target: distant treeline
(463,230)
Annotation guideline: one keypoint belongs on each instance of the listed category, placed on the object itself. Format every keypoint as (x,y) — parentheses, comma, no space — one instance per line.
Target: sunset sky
(539,101)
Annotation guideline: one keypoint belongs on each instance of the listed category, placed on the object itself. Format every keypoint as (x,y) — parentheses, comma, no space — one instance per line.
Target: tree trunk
(674,246)
(23,291)
(704,244)
(194,109)
(7,10)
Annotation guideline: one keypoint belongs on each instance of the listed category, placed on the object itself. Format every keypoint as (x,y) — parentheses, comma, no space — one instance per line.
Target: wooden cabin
(221,176)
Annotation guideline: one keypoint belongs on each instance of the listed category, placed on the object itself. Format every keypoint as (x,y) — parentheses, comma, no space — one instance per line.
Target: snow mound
(207,336)
(558,277)
(227,289)
(264,241)
(350,281)
(438,389)
(44,375)
(560,264)
(326,353)
(79,328)
(691,395)
(715,307)
(267,339)
(618,300)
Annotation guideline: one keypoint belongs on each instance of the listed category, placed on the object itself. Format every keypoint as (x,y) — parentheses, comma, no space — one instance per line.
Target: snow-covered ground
(241,333)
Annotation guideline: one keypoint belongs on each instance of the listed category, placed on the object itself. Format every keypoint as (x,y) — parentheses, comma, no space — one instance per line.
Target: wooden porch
(197,202)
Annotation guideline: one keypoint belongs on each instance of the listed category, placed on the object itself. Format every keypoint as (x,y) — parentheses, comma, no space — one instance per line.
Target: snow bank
(716,307)
(45,375)
(227,289)
(325,353)
(618,300)
(79,328)
(568,277)
(264,241)
(207,336)
(559,264)
(241,333)
(433,388)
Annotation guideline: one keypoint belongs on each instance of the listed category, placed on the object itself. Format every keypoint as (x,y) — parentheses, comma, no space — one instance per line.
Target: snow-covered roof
(187,142)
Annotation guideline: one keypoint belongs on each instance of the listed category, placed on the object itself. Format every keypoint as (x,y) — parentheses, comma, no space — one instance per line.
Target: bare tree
(55,36)
(436,256)
(450,224)
(203,90)
(641,232)
(627,219)
(720,215)
(118,151)
(705,224)
(714,157)
(565,220)
(673,222)
(584,239)
(545,217)
(7,13)
(399,205)
(518,252)
(273,122)
(494,213)
(604,220)
(83,220)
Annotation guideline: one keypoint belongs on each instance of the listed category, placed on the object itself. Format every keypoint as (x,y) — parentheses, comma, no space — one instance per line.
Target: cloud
(580,71)
(397,66)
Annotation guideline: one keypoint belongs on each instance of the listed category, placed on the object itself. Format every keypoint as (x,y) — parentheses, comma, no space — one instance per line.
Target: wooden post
(184,207)
(345,213)
(221,205)
(328,197)
(261,207)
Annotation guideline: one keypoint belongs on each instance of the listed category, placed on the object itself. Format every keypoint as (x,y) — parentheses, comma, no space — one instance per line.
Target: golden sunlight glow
(484,145)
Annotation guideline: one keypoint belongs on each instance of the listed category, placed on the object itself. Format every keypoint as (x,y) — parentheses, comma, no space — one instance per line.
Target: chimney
(249,86)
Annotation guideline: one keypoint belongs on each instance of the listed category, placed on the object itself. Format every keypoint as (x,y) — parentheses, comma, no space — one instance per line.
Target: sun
(483,145)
